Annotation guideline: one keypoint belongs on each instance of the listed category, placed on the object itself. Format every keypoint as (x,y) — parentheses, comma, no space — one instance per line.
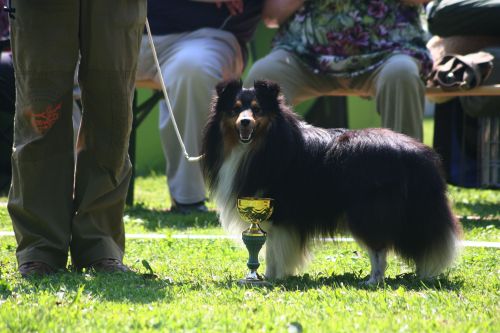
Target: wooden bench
(490,90)
(140,111)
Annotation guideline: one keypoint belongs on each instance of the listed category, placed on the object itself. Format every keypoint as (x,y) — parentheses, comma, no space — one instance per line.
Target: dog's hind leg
(378,260)
(285,253)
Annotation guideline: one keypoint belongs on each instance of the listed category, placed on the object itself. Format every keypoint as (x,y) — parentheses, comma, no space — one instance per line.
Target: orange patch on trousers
(45,120)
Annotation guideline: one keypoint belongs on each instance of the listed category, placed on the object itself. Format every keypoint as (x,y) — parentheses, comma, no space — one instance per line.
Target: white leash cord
(167,100)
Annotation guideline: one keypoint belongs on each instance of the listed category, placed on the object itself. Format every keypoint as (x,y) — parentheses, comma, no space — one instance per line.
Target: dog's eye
(255,107)
(236,107)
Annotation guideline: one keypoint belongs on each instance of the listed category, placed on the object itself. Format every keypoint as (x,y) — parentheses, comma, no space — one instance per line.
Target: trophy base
(254,283)
(254,279)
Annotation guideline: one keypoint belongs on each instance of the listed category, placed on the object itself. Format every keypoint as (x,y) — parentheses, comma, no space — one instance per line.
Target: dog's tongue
(245,134)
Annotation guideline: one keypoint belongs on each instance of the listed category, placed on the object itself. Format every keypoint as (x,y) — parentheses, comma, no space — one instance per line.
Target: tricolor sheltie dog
(382,187)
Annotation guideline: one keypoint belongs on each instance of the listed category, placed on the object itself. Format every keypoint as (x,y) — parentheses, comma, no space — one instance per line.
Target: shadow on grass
(480,209)
(470,224)
(131,287)
(137,288)
(406,281)
(154,219)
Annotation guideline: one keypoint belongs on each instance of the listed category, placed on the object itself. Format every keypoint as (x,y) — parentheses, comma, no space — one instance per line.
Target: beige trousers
(399,92)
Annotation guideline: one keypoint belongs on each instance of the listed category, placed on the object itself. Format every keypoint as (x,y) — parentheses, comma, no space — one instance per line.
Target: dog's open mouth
(246,135)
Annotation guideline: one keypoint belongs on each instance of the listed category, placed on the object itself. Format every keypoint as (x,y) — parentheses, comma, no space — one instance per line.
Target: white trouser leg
(192,64)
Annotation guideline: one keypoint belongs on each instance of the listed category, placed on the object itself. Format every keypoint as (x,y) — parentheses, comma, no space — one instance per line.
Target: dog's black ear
(267,90)
(226,95)
(229,87)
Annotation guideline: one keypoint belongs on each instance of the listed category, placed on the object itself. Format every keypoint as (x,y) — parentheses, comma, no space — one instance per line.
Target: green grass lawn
(196,290)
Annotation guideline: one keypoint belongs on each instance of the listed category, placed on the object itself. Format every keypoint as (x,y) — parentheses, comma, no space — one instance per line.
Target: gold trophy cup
(254,211)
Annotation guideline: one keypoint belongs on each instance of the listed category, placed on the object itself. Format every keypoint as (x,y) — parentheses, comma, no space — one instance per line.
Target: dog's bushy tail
(432,238)
(441,250)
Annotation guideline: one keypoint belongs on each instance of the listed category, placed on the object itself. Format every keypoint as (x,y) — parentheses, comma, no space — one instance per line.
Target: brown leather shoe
(35,268)
(109,265)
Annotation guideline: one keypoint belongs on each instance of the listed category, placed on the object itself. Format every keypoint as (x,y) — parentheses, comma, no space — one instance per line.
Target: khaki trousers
(399,91)
(54,204)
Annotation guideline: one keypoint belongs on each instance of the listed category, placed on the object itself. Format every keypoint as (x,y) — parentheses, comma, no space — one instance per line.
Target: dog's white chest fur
(224,196)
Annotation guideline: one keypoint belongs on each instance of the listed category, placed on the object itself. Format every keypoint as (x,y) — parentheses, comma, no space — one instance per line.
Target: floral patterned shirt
(346,38)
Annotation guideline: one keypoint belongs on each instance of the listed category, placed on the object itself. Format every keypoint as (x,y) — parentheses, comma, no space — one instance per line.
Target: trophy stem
(254,238)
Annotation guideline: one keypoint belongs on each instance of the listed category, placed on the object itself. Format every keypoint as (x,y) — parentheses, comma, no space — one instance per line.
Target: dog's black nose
(245,122)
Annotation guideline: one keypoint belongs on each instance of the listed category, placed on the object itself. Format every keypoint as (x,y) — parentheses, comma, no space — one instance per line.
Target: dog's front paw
(373,281)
